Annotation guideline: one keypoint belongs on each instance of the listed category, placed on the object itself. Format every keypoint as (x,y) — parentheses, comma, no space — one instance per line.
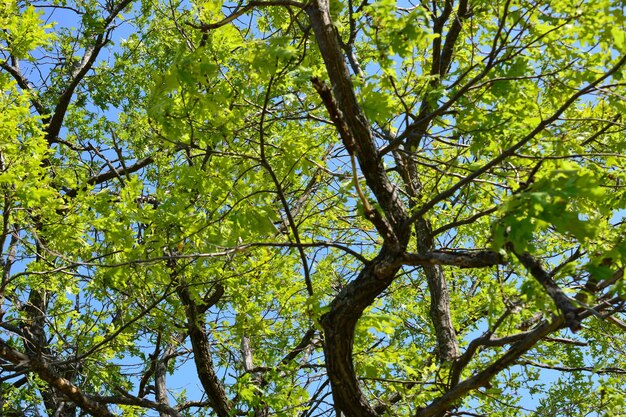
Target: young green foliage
(293,209)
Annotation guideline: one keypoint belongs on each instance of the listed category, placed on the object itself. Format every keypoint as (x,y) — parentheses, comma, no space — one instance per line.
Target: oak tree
(309,208)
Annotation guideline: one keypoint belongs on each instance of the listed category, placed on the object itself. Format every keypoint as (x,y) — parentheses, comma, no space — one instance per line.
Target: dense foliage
(312,208)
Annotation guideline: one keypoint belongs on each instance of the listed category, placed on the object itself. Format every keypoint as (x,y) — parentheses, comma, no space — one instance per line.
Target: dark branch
(39,366)
(243,10)
(108,175)
(89,58)
(478,259)
(24,85)
(562,301)
(202,355)
(510,151)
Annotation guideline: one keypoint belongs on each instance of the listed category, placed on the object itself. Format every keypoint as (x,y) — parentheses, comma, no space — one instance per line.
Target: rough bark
(562,301)
(339,326)
(363,146)
(440,314)
(340,322)
(202,355)
(160,386)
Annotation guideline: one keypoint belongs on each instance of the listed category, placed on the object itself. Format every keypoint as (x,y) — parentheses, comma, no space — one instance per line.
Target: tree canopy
(310,208)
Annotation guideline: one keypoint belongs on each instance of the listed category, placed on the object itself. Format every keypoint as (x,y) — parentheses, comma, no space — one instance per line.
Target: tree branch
(359,128)
(526,343)
(462,259)
(383,227)
(45,372)
(24,85)
(125,398)
(562,301)
(55,122)
(511,150)
(590,369)
(202,355)
(108,175)
(245,9)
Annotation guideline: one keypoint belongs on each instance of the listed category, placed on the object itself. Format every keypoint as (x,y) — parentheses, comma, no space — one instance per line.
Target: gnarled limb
(381,224)
(520,347)
(55,121)
(440,314)
(202,355)
(44,371)
(339,326)
(364,148)
(562,301)
(340,322)
(461,258)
